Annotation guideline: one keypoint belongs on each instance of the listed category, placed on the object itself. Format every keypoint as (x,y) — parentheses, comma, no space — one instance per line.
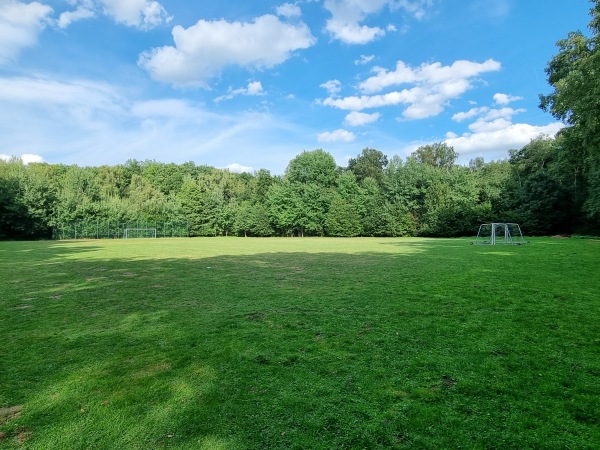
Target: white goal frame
(499,233)
(127,230)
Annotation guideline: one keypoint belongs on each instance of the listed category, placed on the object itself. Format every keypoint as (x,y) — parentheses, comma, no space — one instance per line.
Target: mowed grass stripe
(299,343)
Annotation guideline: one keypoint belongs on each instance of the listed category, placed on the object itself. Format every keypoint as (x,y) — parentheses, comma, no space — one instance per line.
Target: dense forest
(551,185)
(427,194)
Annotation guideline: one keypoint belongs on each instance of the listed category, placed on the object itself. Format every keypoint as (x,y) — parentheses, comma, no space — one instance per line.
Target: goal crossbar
(126,232)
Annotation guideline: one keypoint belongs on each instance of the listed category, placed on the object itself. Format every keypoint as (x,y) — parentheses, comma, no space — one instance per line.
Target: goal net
(129,233)
(499,233)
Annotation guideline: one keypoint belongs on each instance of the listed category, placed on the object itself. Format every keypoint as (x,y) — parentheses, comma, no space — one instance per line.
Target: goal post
(129,233)
(499,233)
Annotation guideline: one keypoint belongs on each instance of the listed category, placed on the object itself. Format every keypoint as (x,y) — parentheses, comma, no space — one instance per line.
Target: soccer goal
(499,233)
(129,233)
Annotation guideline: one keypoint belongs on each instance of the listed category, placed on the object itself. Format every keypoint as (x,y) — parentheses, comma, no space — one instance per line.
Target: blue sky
(250,85)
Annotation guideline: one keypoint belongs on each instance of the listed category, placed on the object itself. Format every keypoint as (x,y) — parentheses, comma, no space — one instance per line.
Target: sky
(249,85)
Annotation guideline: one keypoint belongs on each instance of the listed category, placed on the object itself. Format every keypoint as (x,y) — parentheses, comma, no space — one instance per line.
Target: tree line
(551,185)
(425,194)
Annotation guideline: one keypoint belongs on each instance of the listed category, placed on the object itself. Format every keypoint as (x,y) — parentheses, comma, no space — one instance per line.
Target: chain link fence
(106,229)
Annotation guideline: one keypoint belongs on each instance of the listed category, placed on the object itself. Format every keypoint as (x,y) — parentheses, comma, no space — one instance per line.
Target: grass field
(233,343)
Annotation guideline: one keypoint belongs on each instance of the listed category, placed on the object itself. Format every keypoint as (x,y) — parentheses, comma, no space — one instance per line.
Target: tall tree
(370,163)
(574,75)
(316,167)
(439,154)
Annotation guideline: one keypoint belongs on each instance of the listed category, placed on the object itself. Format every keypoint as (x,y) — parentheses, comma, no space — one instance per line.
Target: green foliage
(285,208)
(314,167)
(439,154)
(252,220)
(574,75)
(343,218)
(370,163)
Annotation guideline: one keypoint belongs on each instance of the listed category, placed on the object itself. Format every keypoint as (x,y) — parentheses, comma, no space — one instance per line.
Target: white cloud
(333,87)
(505,99)
(461,116)
(434,86)
(253,88)
(488,119)
(431,74)
(335,136)
(351,33)
(347,16)
(20,25)
(26,158)
(498,140)
(355,118)
(289,10)
(354,103)
(364,60)
(488,126)
(203,50)
(492,131)
(144,14)
(83,11)
(417,8)
(238,168)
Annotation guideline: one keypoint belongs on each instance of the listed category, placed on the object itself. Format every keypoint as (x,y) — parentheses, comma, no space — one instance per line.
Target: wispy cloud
(254,88)
(89,123)
(142,14)
(20,25)
(364,60)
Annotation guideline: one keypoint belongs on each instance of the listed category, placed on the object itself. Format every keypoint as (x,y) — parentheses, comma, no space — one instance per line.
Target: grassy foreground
(233,343)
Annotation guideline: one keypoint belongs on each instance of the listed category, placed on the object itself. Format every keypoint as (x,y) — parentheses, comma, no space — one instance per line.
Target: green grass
(233,343)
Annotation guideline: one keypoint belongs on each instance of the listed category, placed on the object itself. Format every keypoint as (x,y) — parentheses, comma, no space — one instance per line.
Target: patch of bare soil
(23,435)
(9,413)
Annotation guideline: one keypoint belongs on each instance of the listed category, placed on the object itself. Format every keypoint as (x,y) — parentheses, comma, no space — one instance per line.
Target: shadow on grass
(386,349)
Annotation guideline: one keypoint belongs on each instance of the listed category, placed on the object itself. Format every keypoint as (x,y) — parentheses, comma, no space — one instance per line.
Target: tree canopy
(574,75)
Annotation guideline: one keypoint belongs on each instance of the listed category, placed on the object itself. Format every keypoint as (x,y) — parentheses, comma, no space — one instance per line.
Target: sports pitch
(312,343)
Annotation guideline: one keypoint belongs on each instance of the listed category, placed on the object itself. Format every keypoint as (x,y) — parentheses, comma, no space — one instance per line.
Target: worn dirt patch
(23,435)
(9,413)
